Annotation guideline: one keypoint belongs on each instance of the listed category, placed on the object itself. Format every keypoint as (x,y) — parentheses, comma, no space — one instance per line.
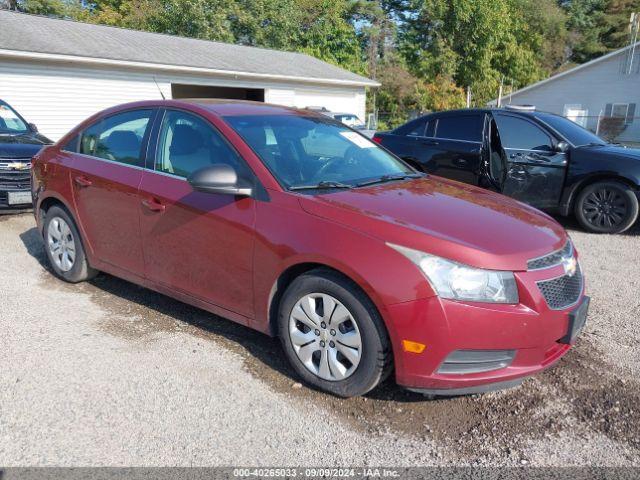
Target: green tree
(598,26)
(477,43)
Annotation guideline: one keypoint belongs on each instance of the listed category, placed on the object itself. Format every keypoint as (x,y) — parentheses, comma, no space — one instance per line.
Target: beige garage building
(58,72)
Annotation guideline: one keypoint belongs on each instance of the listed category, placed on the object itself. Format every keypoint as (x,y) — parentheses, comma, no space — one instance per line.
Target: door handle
(430,142)
(82,181)
(153,205)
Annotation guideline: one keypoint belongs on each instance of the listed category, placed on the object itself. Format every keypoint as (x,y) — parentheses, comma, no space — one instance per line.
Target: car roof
(221,107)
(462,111)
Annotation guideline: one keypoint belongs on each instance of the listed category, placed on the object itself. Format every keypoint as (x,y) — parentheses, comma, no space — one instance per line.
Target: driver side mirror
(562,147)
(33,127)
(219,178)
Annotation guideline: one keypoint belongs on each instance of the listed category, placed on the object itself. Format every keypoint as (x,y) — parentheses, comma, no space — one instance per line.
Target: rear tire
(64,248)
(607,207)
(333,335)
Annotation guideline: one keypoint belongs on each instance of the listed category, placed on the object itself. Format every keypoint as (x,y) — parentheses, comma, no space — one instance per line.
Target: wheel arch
(46,203)
(569,204)
(293,271)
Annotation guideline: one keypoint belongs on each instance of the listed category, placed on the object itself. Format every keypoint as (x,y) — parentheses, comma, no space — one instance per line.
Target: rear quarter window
(415,128)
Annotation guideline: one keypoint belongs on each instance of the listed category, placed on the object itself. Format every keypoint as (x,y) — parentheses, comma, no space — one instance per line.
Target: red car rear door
(197,243)
(106,175)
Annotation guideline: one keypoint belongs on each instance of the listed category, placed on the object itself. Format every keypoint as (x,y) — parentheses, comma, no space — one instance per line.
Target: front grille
(15,180)
(562,292)
(552,259)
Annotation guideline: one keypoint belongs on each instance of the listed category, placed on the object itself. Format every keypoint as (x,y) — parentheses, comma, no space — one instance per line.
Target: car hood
(22,145)
(446,218)
(617,150)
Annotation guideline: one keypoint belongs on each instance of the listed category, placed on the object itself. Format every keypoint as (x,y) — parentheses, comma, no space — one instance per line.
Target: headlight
(460,282)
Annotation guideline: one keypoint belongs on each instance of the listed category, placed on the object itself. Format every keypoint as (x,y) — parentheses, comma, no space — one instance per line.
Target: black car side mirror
(33,127)
(219,178)
(562,147)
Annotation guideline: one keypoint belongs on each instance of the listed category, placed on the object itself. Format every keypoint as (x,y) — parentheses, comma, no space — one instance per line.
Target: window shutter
(608,110)
(631,111)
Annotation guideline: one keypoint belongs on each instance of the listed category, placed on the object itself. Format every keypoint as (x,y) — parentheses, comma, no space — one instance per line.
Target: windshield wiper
(324,185)
(594,144)
(389,178)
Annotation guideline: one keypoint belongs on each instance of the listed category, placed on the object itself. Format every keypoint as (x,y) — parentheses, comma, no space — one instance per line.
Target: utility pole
(500,92)
(634,26)
(468,97)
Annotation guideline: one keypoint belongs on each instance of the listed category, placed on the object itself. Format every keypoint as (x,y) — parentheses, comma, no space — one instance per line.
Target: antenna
(159,89)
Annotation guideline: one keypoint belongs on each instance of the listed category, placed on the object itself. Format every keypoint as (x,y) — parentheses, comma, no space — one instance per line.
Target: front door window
(188,143)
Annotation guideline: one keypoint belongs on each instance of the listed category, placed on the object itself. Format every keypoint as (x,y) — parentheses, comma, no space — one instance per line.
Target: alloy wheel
(325,336)
(605,207)
(61,244)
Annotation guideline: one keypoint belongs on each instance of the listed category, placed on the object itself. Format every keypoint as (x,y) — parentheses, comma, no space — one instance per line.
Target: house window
(619,110)
(577,114)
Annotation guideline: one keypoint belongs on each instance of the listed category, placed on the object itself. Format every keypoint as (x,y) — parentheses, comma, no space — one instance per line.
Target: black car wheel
(333,335)
(607,207)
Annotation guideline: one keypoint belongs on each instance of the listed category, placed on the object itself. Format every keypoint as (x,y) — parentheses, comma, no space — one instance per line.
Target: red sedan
(291,223)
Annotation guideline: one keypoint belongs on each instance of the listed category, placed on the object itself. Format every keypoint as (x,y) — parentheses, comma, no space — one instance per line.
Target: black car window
(188,143)
(431,129)
(415,128)
(117,138)
(570,130)
(460,127)
(10,121)
(522,134)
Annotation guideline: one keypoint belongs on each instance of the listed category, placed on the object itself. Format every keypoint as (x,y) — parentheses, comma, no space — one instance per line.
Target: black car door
(403,140)
(535,169)
(452,146)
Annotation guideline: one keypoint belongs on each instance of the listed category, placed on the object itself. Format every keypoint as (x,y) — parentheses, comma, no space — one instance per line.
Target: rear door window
(118,138)
(520,134)
(460,127)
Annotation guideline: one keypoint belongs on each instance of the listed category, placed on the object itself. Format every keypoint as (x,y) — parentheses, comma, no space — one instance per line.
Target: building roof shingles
(32,33)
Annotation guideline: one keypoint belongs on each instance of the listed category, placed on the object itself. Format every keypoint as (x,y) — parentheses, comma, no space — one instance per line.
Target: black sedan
(539,158)
(19,141)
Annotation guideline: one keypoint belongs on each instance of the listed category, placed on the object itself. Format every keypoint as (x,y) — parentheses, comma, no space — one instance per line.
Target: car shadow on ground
(156,313)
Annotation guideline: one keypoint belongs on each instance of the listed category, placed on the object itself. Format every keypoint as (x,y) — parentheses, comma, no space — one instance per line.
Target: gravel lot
(107,373)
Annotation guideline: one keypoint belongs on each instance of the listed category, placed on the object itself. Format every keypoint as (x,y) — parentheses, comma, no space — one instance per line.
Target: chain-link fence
(624,130)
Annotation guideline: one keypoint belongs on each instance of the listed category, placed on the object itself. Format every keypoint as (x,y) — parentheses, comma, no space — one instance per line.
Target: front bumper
(534,335)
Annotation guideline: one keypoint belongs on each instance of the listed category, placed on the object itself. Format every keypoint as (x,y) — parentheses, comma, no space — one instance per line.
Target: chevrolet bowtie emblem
(570,266)
(18,166)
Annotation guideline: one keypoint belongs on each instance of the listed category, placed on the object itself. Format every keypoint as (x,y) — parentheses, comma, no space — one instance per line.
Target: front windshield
(573,132)
(10,122)
(306,151)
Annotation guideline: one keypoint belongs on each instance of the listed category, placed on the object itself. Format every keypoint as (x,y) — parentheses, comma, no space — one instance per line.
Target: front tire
(333,335)
(64,248)
(607,207)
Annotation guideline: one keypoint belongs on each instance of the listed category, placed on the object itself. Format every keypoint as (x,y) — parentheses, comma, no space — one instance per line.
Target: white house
(58,72)
(607,86)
